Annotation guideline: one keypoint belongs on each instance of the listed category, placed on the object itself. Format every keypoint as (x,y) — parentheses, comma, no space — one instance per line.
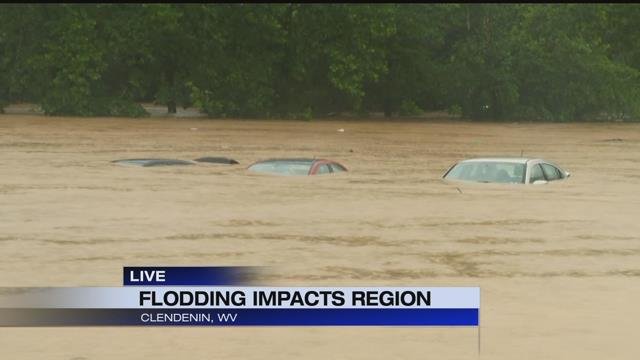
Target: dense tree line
(529,61)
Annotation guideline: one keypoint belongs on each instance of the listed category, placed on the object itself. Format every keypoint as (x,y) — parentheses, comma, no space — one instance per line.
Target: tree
(539,62)
(564,67)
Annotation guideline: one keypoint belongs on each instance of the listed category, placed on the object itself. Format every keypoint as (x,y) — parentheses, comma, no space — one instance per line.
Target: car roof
(153,162)
(217,160)
(307,160)
(515,160)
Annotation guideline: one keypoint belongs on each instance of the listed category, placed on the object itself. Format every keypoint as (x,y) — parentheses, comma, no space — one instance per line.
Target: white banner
(246,297)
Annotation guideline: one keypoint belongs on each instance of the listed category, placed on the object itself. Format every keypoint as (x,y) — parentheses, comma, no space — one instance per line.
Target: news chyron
(225,296)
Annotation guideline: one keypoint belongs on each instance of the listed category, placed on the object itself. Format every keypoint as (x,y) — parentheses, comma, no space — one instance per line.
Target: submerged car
(217,160)
(297,166)
(173,162)
(506,171)
(153,162)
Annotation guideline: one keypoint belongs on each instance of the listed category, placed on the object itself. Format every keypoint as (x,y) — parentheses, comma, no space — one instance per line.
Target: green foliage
(412,54)
(409,108)
(117,107)
(357,55)
(561,62)
(306,114)
(234,75)
(576,79)
(480,60)
(455,110)
(73,56)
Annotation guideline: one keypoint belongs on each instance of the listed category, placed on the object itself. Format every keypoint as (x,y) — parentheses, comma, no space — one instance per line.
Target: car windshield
(488,171)
(283,167)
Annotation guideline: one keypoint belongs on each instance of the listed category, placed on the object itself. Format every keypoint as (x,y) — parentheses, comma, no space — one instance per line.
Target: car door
(536,173)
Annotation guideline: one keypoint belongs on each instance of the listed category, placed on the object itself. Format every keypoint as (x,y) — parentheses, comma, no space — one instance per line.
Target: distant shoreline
(157,111)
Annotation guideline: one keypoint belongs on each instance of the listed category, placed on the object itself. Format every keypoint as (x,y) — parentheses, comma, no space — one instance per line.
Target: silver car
(506,171)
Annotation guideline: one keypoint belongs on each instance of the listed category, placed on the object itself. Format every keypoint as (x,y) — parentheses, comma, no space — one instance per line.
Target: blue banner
(186,275)
(239,317)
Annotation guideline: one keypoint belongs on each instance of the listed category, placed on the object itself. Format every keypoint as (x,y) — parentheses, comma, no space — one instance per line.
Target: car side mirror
(540,182)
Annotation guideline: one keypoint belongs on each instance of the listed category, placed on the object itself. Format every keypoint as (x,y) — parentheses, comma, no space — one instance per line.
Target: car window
(488,171)
(551,172)
(282,167)
(536,173)
(323,169)
(337,168)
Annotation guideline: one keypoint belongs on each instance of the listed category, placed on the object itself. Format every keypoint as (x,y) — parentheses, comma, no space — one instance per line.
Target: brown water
(558,265)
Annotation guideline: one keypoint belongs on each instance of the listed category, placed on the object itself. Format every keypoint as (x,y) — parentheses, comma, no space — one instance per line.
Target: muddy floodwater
(558,264)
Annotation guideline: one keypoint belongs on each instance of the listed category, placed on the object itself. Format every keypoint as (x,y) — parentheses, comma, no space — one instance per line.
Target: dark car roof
(217,160)
(152,162)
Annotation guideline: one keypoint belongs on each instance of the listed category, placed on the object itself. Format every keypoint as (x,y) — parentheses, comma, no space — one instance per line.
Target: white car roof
(515,160)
